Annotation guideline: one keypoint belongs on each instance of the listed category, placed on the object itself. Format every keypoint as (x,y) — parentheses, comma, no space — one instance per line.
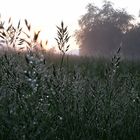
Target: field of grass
(57,97)
(81,99)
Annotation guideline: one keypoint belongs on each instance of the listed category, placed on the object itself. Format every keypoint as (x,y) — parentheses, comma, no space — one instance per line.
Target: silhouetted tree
(102,29)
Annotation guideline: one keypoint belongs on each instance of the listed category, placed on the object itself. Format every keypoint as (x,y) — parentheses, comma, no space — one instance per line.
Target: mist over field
(55,94)
(103,30)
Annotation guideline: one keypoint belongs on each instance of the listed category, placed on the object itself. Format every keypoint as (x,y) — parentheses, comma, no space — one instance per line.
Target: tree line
(103,30)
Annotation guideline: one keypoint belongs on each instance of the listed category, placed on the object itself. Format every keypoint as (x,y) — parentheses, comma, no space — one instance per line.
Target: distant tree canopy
(131,42)
(102,30)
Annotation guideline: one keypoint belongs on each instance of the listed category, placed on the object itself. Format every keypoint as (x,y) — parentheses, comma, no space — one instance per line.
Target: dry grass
(84,100)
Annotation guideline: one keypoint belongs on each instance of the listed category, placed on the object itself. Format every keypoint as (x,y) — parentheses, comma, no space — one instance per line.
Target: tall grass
(87,99)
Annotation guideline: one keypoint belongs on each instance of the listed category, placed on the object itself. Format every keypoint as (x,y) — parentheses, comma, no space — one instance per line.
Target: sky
(44,15)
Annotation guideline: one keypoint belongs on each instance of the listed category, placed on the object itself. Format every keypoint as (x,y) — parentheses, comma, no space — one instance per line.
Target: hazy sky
(46,14)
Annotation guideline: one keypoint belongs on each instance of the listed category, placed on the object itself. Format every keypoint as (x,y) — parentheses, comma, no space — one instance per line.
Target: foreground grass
(85,99)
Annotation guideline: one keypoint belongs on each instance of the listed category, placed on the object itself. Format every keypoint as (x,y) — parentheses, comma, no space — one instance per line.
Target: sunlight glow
(44,15)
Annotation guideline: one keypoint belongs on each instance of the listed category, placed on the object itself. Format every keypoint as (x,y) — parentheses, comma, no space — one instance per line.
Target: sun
(46,36)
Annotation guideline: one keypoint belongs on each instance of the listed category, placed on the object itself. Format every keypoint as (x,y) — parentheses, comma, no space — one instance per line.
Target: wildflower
(60,118)
(29,79)
(134,100)
(34,81)
(25,71)
(31,62)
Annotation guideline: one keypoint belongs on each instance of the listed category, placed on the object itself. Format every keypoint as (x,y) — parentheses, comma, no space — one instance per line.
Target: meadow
(60,97)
